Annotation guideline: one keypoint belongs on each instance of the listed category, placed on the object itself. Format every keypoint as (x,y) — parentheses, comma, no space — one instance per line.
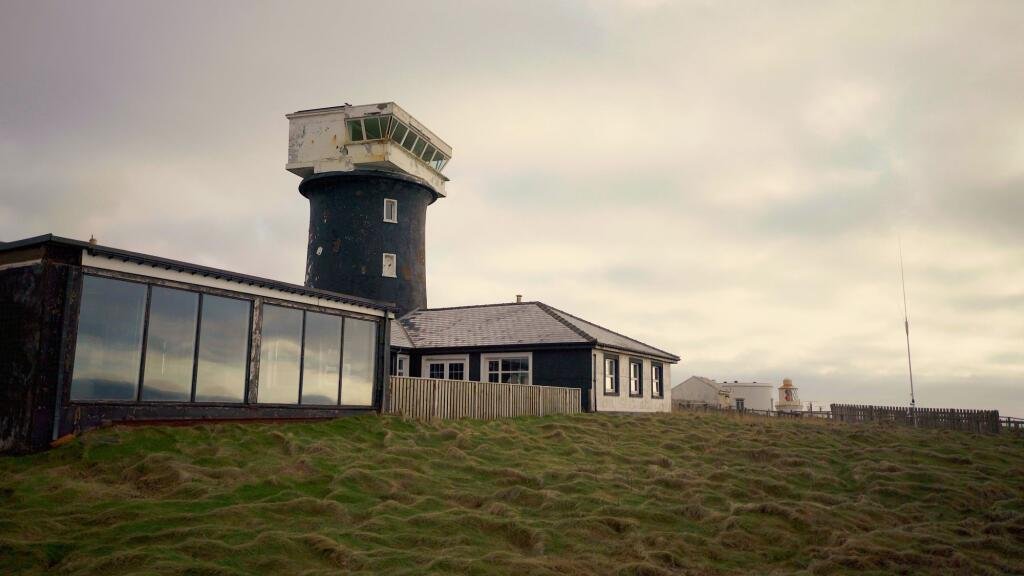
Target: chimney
(92,239)
(519,298)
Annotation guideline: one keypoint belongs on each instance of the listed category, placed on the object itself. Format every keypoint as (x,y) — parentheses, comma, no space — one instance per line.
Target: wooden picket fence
(428,399)
(982,421)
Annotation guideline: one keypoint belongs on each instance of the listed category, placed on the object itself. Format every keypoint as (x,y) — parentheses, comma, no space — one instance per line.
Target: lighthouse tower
(369,173)
(789,400)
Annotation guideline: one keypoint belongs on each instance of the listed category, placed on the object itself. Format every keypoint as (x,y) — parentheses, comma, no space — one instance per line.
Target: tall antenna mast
(906,321)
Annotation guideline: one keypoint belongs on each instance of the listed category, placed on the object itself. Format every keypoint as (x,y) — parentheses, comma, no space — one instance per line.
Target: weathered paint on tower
(369,173)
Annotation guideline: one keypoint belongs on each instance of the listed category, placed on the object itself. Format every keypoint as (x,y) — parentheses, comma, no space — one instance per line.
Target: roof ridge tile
(634,340)
(551,311)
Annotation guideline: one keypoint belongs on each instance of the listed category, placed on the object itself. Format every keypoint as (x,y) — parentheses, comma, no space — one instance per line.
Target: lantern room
(372,136)
(789,400)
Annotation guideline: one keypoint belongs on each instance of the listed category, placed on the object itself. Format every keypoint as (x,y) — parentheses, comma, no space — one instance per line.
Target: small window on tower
(390,210)
(390,266)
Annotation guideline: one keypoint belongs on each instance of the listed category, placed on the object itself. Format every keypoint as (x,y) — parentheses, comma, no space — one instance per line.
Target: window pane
(493,377)
(223,349)
(410,139)
(109,348)
(400,131)
(321,357)
(492,365)
(372,125)
(359,359)
(279,355)
(456,371)
(170,345)
(355,130)
(515,378)
(418,148)
(428,153)
(437,371)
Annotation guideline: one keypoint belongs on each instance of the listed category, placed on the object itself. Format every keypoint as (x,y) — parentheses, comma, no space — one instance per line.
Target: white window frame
(384,265)
(740,404)
(394,212)
(485,359)
(401,359)
(636,381)
(447,360)
(611,376)
(657,385)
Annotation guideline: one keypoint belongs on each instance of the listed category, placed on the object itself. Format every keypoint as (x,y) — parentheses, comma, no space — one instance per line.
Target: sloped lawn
(591,494)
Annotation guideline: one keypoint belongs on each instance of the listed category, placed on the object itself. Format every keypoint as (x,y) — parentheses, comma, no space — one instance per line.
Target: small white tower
(789,400)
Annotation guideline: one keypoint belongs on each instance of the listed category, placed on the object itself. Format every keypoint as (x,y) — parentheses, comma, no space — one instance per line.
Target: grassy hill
(659,494)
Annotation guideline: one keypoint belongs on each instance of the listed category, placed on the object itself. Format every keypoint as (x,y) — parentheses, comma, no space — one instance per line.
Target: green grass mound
(589,494)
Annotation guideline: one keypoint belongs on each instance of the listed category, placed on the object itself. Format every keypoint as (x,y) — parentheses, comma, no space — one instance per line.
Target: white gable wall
(695,389)
(624,402)
(755,396)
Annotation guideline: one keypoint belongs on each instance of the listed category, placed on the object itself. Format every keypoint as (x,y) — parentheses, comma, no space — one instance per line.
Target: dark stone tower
(348,235)
(369,173)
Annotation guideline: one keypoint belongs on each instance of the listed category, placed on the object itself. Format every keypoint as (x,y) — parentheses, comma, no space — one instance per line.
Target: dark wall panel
(32,311)
(566,368)
(20,320)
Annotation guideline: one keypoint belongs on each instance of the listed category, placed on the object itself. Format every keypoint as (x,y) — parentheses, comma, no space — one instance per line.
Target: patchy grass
(632,495)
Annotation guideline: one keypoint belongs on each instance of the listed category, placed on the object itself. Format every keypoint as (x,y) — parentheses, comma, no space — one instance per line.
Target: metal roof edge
(30,241)
(167,263)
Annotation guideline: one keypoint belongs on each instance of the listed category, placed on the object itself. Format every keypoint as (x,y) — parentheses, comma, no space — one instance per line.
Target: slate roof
(507,325)
(399,337)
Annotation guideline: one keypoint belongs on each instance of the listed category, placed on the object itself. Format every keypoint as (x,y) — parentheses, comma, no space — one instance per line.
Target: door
(402,365)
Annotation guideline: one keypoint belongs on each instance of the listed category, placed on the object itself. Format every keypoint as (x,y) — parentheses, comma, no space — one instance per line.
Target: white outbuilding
(749,395)
(699,390)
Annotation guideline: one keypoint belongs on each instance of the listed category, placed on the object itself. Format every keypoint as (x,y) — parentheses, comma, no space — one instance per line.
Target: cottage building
(533,343)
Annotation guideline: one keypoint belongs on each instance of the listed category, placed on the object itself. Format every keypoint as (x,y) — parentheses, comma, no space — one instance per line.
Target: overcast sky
(723,180)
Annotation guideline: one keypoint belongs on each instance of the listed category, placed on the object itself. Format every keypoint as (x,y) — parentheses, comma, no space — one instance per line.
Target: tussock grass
(590,494)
